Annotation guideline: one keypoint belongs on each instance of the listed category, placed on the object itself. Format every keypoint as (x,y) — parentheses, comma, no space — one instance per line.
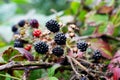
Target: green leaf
(51,70)
(98,19)
(1,77)
(64,29)
(75,6)
(20,1)
(35,74)
(53,78)
(88,2)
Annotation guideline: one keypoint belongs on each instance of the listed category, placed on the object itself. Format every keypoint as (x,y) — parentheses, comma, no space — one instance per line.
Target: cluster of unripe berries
(41,46)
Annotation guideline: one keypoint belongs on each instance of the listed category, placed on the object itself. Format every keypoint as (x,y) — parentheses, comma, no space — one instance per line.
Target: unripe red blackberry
(82,46)
(53,26)
(41,47)
(21,23)
(34,23)
(97,55)
(28,47)
(36,32)
(14,28)
(18,44)
(58,51)
(60,38)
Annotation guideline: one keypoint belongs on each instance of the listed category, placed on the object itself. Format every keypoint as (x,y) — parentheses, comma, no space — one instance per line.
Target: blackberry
(53,26)
(18,44)
(58,51)
(65,61)
(97,55)
(60,38)
(34,23)
(14,29)
(41,47)
(21,23)
(82,46)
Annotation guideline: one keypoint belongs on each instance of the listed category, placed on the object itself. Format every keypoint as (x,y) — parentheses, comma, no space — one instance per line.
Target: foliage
(93,21)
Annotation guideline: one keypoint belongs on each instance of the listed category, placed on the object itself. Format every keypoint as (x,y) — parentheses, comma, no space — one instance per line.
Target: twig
(26,74)
(73,66)
(84,68)
(24,64)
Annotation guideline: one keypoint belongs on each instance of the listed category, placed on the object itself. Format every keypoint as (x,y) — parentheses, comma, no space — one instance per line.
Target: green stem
(10,77)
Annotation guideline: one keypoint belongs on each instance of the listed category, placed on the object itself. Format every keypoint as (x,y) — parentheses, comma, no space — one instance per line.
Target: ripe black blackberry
(18,44)
(82,46)
(14,28)
(53,26)
(58,51)
(21,23)
(41,47)
(97,55)
(60,38)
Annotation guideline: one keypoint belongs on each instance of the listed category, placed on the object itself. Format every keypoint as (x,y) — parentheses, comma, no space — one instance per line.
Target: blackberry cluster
(60,38)
(53,26)
(21,23)
(41,47)
(18,44)
(58,51)
(82,46)
(97,55)
(14,29)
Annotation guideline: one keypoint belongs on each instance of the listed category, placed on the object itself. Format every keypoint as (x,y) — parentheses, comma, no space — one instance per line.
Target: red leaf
(99,44)
(115,69)
(110,29)
(27,54)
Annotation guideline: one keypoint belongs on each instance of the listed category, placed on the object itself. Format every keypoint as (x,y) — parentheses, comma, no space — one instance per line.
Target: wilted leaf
(9,53)
(105,10)
(99,44)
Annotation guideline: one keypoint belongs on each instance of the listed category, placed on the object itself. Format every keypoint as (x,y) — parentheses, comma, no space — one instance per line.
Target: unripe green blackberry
(58,51)
(82,46)
(21,23)
(53,26)
(60,38)
(18,44)
(41,47)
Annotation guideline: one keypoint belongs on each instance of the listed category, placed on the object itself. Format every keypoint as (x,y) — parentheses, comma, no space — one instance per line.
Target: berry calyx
(97,55)
(53,26)
(21,23)
(82,46)
(36,32)
(41,47)
(18,44)
(60,38)
(14,29)
(34,23)
(28,47)
(58,51)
